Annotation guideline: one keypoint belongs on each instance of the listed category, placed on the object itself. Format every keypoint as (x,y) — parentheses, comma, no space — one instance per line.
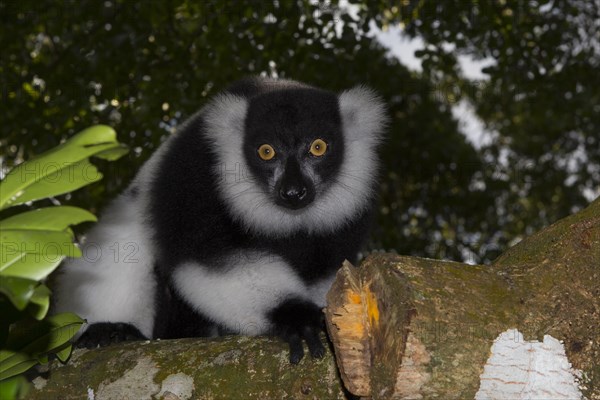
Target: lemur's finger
(296,348)
(313,340)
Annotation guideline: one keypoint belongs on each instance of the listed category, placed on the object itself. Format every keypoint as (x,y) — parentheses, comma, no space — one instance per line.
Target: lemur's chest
(312,259)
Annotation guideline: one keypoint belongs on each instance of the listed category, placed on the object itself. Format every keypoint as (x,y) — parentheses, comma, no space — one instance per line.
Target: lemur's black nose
(295,190)
(292,193)
(294,196)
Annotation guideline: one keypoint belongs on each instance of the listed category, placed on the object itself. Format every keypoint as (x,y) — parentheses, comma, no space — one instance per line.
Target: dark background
(143,67)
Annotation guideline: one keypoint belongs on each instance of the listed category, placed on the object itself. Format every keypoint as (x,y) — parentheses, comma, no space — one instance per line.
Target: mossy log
(402,327)
(183,369)
(413,328)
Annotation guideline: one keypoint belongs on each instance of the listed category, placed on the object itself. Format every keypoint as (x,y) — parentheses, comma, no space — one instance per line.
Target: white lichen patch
(228,357)
(136,383)
(75,357)
(520,369)
(180,386)
(39,383)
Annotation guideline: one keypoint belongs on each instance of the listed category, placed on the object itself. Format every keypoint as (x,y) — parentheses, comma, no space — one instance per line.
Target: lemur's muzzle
(294,190)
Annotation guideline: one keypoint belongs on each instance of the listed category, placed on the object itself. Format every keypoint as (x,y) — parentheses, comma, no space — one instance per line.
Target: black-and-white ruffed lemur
(237,223)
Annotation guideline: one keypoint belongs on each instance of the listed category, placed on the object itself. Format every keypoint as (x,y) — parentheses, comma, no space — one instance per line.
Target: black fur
(107,333)
(298,319)
(176,319)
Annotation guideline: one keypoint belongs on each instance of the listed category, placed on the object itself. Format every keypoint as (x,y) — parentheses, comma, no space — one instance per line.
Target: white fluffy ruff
(363,120)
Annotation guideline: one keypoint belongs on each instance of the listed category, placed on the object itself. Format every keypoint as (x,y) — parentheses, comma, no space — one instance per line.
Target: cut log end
(346,318)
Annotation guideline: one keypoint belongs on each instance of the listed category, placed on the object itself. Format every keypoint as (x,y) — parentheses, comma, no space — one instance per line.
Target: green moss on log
(223,368)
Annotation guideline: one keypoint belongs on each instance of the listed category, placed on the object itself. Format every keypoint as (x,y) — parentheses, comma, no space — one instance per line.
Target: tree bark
(182,369)
(413,328)
(402,327)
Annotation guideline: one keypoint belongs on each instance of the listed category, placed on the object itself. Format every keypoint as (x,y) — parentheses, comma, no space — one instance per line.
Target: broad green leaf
(9,254)
(113,154)
(64,354)
(42,358)
(47,242)
(34,254)
(21,182)
(93,137)
(17,290)
(35,266)
(28,344)
(50,218)
(16,387)
(42,336)
(29,249)
(39,302)
(15,365)
(66,178)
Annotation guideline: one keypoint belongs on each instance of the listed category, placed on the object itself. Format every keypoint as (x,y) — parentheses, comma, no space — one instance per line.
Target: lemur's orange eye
(318,148)
(266,152)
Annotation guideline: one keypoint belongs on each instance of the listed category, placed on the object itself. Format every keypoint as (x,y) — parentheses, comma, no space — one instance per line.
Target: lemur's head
(293,144)
(307,156)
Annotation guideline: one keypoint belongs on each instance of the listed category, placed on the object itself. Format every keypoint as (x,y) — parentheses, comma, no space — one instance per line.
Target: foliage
(542,98)
(33,245)
(143,67)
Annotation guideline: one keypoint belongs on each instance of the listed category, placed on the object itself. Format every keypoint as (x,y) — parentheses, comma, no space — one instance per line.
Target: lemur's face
(308,156)
(293,144)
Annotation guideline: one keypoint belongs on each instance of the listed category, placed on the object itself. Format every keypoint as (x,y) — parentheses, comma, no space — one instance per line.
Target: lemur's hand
(295,320)
(107,333)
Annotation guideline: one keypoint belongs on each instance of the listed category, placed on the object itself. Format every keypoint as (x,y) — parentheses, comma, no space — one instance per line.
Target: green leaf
(28,343)
(34,254)
(42,359)
(60,170)
(17,290)
(113,154)
(30,265)
(46,242)
(43,336)
(34,242)
(16,387)
(65,178)
(50,218)
(10,254)
(64,354)
(39,302)
(16,365)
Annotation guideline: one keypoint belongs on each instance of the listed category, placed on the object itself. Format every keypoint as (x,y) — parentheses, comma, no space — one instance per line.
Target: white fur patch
(114,280)
(318,291)
(363,116)
(363,119)
(240,297)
